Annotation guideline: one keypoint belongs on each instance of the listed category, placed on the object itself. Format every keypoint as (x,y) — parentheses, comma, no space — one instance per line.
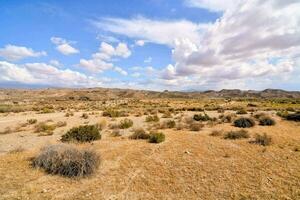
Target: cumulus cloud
(15,53)
(64,46)
(44,74)
(102,60)
(161,32)
(121,71)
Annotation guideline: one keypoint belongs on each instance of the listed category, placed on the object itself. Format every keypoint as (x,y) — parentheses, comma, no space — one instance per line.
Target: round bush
(85,133)
(266,121)
(200,117)
(244,122)
(125,123)
(67,161)
(156,137)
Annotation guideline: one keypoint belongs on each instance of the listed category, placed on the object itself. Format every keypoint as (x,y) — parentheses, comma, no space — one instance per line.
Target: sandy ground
(188,165)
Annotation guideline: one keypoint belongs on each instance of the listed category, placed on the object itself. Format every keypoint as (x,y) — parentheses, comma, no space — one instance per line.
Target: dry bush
(139,134)
(7,130)
(241,112)
(44,127)
(260,115)
(201,117)
(244,122)
(156,137)
(85,116)
(102,124)
(32,121)
(196,126)
(264,139)
(115,133)
(152,118)
(61,124)
(233,135)
(227,118)
(69,114)
(67,161)
(168,124)
(86,133)
(216,133)
(125,123)
(266,121)
(18,149)
(167,115)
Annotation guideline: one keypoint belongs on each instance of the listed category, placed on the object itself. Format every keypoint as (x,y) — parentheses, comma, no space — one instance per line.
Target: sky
(159,45)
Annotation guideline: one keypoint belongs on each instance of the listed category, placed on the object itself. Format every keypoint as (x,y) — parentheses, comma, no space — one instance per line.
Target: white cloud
(212,5)
(140,43)
(136,74)
(121,71)
(161,32)
(15,53)
(107,38)
(64,46)
(102,60)
(56,63)
(44,74)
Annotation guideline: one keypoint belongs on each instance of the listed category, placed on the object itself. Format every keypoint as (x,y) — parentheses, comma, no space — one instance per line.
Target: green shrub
(156,137)
(139,134)
(152,118)
(113,113)
(293,117)
(263,139)
(32,121)
(200,117)
(86,133)
(233,135)
(44,127)
(282,114)
(244,122)
(266,121)
(125,123)
(67,161)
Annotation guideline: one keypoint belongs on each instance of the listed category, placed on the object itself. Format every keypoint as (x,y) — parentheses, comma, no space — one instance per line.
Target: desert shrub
(244,122)
(46,110)
(233,135)
(241,112)
(86,133)
(125,123)
(85,116)
(200,117)
(115,133)
(259,115)
(216,133)
(44,127)
(263,139)
(102,124)
(113,113)
(7,130)
(167,115)
(180,126)
(69,114)
(139,134)
(156,137)
(282,114)
(61,124)
(293,117)
(152,118)
(266,121)
(227,118)
(67,160)
(196,126)
(168,124)
(32,121)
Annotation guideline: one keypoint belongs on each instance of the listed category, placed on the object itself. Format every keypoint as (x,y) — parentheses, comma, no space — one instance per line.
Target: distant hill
(87,94)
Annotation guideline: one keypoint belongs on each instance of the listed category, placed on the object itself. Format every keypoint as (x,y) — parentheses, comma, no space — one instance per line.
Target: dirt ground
(187,165)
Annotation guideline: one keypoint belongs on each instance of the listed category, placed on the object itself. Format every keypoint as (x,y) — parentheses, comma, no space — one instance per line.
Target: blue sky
(153,44)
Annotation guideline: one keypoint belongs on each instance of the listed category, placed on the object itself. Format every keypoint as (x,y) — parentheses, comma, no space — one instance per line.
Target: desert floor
(187,165)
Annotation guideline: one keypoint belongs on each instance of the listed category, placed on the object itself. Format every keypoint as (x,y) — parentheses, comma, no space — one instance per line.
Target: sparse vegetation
(196,126)
(67,161)
(156,137)
(85,116)
(233,135)
(86,133)
(139,134)
(152,118)
(216,133)
(32,121)
(125,123)
(201,117)
(244,122)
(241,112)
(266,121)
(263,139)
(44,127)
